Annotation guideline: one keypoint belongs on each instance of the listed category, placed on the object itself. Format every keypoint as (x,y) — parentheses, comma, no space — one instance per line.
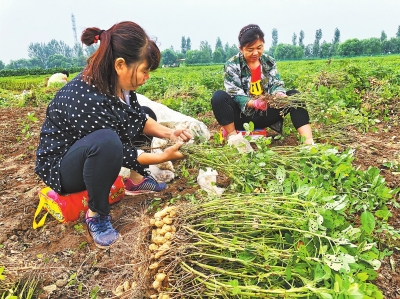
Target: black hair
(249,34)
(125,40)
(65,72)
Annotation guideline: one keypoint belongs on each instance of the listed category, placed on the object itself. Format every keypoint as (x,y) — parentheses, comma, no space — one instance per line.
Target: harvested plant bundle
(321,173)
(263,246)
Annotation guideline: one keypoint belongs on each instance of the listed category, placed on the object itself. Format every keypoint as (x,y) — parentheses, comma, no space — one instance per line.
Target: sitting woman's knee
(219,96)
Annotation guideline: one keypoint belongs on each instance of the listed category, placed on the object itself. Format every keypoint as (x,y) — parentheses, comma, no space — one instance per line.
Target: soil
(64,255)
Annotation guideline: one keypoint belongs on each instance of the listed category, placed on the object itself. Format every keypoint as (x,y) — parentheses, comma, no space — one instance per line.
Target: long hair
(125,40)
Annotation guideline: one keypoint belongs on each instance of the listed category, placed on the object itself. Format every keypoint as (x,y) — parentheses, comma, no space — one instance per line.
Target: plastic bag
(207,179)
(175,120)
(161,175)
(241,144)
(68,207)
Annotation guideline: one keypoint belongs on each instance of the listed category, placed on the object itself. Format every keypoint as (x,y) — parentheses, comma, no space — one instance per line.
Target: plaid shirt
(238,76)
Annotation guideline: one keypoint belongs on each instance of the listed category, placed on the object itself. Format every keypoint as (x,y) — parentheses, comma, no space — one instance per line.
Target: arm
(169,154)
(233,85)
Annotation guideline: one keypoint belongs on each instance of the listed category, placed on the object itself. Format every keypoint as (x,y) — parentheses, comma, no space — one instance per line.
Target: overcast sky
(26,21)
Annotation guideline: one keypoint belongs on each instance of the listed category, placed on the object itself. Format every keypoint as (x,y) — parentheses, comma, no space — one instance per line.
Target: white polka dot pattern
(77,110)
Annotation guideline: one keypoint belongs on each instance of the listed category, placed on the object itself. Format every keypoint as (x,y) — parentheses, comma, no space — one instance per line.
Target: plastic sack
(241,144)
(207,179)
(175,120)
(161,175)
(68,207)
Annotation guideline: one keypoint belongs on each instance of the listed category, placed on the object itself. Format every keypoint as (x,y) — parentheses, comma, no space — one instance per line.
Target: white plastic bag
(161,175)
(174,119)
(207,179)
(241,144)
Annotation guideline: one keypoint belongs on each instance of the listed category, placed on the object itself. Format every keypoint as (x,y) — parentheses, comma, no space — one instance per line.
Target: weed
(79,228)
(27,125)
(83,244)
(93,292)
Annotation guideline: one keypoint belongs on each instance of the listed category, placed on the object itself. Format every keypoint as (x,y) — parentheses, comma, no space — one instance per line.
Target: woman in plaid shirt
(249,76)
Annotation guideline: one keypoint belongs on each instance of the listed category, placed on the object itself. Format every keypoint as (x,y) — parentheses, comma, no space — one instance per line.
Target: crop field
(294,221)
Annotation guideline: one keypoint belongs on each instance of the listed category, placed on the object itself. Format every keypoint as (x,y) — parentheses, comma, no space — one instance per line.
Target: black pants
(93,164)
(227,111)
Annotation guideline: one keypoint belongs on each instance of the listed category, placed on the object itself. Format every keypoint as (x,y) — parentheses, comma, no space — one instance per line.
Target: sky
(25,21)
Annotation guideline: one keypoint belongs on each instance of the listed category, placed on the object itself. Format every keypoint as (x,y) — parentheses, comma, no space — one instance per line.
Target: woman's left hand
(180,135)
(281,94)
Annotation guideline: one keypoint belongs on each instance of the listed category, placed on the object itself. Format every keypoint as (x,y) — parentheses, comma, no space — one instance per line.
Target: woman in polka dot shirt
(94,122)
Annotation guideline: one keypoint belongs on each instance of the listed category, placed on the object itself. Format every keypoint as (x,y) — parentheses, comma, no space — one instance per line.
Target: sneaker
(148,184)
(101,230)
(241,144)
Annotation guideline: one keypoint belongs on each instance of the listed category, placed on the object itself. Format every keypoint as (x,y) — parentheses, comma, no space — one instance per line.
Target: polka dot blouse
(78,110)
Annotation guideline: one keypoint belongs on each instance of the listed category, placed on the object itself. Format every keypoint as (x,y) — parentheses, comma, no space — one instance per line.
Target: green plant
(25,288)
(79,228)
(30,119)
(93,292)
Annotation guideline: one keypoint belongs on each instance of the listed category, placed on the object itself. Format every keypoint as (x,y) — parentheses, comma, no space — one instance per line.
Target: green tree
(231,51)
(383,36)
(318,36)
(183,45)
(274,37)
(180,55)
(24,63)
(77,51)
(336,36)
(288,52)
(371,46)
(325,50)
(2,65)
(218,56)
(39,51)
(60,47)
(294,39)
(301,39)
(196,56)
(79,61)
(391,46)
(218,45)
(350,47)
(91,49)
(206,48)
(168,57)
(35,63)
(188,44)
(58,60)
(308,51)
(398,32)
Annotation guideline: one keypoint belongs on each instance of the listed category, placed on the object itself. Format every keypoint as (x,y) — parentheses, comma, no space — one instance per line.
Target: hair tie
(248,28)
(97,37)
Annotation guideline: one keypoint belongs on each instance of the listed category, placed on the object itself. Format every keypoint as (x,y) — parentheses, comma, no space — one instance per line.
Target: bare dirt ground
(62,257)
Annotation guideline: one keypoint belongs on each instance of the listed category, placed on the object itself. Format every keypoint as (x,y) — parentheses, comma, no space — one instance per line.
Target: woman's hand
(172,152)
(180,135)
(260,104)
(281,94)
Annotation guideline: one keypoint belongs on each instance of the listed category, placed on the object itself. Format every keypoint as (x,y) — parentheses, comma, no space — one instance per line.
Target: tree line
(57,54)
